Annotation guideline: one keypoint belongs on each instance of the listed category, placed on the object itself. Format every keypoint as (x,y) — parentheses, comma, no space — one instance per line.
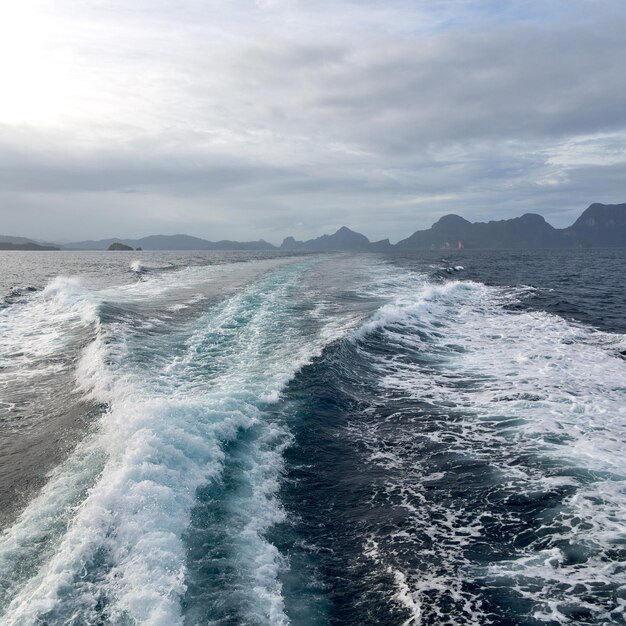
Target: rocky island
(119,246)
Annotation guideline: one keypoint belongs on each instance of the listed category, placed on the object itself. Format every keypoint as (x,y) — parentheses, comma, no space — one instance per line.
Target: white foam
(561,378)
(160,439)
(137,266)
(42,326)
(403,594)
(525,382)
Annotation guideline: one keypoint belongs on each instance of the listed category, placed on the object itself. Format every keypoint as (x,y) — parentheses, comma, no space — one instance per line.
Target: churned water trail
(329,439)
(112,536)
(462,463)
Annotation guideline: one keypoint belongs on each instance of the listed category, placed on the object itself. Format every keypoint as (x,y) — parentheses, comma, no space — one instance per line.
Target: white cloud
(249,118)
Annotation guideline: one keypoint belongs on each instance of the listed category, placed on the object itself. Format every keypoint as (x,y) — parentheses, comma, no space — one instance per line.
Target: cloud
(250,119)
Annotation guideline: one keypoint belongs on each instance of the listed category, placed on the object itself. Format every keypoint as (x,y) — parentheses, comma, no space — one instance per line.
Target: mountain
(380,246)
(15,240)
(599,225)
(31,245)
(343,239)
(447,232)
(452,231)
(171,242)
(22,243)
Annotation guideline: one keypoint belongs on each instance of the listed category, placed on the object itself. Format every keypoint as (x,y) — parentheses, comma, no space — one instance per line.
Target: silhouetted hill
(343,239)
(22,243)
(599,225)
(4,245)
(122,247)
(380,246)
(452,231)
(171,242)
(448,231)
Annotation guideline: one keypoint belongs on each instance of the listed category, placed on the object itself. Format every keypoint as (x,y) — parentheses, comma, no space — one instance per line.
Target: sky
(246,119)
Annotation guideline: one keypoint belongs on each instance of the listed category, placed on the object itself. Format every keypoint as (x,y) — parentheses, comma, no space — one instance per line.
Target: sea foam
(118,552)
(528,385)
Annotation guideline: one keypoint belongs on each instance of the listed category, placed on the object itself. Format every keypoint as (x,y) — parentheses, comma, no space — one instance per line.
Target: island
(119,246)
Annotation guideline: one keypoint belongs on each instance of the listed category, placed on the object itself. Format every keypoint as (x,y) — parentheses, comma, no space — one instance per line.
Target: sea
(424,438)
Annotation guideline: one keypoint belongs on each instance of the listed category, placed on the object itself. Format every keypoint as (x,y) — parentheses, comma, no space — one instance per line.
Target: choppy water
(321,439)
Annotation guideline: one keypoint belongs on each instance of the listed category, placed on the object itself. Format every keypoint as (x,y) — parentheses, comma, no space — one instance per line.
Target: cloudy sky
(246,119)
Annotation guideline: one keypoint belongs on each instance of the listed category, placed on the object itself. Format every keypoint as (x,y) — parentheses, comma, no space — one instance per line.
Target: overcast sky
(246,120)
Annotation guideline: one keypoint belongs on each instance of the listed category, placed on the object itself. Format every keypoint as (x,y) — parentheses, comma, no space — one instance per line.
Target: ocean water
(225,439)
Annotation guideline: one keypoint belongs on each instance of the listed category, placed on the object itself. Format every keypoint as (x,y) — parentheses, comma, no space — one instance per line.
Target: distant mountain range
(170,242)
(599,225)
(343,239)
(22,243)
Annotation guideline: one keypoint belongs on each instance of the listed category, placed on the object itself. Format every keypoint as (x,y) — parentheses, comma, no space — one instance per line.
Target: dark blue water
(333,439)
(469,508)
(582,285)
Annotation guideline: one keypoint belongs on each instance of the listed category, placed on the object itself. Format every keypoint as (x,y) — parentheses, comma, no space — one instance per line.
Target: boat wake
(327,441)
